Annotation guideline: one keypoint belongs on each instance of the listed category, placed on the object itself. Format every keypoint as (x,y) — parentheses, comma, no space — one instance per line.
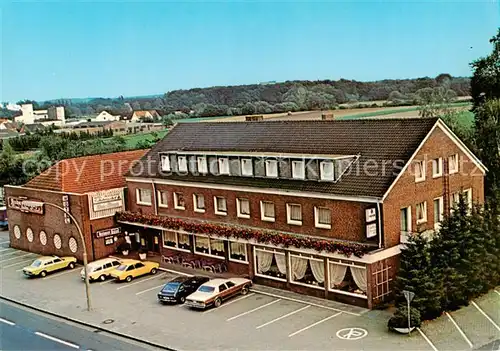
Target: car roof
(179,279)
(45,258)
(129,261)
(104,261)
(215,282)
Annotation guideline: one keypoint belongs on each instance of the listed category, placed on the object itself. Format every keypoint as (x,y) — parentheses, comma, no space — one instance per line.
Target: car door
(48,266)
(140,269)
(59,263)
(223,292)
(232,288)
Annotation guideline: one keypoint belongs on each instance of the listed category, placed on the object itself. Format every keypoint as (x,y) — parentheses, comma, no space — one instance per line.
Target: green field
(133,139)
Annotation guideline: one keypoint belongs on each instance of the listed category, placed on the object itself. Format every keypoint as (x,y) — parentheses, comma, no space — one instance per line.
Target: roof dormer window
(165,163)
(272,168)
(182,163)
(326,170)
(246,167)
(202,164)
(223,166)
(298,170)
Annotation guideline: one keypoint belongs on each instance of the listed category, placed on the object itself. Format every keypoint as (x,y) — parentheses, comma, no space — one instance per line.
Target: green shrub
(400,318)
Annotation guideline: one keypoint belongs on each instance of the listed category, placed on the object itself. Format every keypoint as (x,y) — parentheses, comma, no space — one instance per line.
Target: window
(169,239)
(307,271)
(108,265)
(202,164)
(199,203)
(298,170)
(419,171)
(454,199)
(406,220)
(468,198)
(437,167)
(182,163)
(246,167)
(130,268)
(453,164)
(165,163)
(272,168)
(323,217)
(143,196)
(326,170)
(347,278)
(57,260)
(270,264)
(162,198)
(438,212)
(139,265)
(421,209)
(294,214)
(237,252)
(230,284)
(220,205)
(207,246)
(267,211)
(243,208)
(176,241)
(223,166)
(222,287)
(179,203)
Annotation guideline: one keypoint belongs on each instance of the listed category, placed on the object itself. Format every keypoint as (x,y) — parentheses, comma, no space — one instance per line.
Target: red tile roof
(89,173)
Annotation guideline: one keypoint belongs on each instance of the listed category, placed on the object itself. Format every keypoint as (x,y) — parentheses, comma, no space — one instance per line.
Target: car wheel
(153,271)
(128,279)
(182,299)
(217,302)
(244,290)
(43,274)
(102,278)
(71,265)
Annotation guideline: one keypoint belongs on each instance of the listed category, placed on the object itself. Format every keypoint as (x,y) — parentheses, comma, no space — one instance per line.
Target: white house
(105,116)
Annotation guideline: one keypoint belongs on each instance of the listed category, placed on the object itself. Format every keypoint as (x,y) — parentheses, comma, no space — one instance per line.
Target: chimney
(254,118)
(327,116)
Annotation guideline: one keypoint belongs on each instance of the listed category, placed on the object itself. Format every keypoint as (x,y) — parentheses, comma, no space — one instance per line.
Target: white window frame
(165,163)
(255,249)
(454,199)
(424,211)
(138,197)
(439,163)
(182,161)
(323,174)
(468,197)
(262,215)
(289,219)
(269,164)
(158,195)
(316,218)
(176,202)
(195,203)
(307,258)
(176,242)
(295,172)
(245,171)
(216,207)
(437,221)
(328,261)
(456,163)
(246,252)
(223,165)
(238,208)
(422,165)
(209,254)
(201,162)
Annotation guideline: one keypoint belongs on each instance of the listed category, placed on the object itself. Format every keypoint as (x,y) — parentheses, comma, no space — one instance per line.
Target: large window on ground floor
(174,240)
(307,270)
(238,252)
(270,264)
(347,278)
(209,246)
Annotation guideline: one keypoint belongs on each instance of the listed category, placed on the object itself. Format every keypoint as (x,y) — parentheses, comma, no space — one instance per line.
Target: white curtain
(318,270)
(264,261)
(280,262)
(337,274)
(216,244)
(359,275)
(299,267)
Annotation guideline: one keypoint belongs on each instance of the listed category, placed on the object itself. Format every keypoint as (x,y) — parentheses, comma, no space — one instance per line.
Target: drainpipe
(155,203)
(379,225)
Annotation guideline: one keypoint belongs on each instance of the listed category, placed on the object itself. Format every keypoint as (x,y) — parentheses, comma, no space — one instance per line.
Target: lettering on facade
(105,203)
(108,232)
(65,201)
(371,224)
(25,205)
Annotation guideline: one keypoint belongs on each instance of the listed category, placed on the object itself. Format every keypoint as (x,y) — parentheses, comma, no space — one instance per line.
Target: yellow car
(130,269)
(47,264)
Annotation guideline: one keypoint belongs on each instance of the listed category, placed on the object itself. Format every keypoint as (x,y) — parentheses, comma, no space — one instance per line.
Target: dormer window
(165,163)
(202,164)
(326,170)
(223,166)
(182,163)
(246,167)
(272,168)
(298,170)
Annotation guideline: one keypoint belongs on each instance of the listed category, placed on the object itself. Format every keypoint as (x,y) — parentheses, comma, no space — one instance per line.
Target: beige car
(215,291)
(100,269)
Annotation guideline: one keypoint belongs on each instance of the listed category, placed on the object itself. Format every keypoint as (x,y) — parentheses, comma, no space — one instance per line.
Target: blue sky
(82,49)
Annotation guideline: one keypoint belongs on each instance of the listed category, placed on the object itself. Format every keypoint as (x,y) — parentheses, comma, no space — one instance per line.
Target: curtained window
(220,205)
(199,202)
(179,203)
(453,164)
(243,208)
(294,214)
(183,240)
(175,240)
(271,264)
(347,278)
(162,198)
(238,251)
(209,246)
(307,270)
(421,209)
(144,196)
(267,211)
(323,217)
(202,244)
(169,239)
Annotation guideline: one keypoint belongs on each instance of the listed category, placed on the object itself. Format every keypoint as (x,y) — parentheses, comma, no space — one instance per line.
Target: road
(22,329)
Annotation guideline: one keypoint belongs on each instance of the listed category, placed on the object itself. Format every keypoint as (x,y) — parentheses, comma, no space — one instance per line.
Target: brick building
(91,188)
(317,207)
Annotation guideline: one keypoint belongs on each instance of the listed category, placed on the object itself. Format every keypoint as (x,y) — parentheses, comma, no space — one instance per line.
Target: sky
(75,49)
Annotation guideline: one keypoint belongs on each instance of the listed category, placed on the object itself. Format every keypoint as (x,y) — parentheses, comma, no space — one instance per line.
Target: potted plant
(399,321)
(142,253)
(124,248)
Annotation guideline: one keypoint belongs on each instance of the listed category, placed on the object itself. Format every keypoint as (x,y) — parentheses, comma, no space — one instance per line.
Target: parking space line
(8,253)
(59,274)
(427,339)
(4,242)
(17,264)
(140,281)
(460,330)
(153,288)
(496,291)
(7,322)
(282,317)
(314,324)
(13,258)
(228,303)
(7,249)
(484,314)
(253,310)
(57,340)
(175,272)
(305,302)
(109,280)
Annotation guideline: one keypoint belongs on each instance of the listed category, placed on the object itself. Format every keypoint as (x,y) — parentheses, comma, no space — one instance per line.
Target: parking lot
(263,319)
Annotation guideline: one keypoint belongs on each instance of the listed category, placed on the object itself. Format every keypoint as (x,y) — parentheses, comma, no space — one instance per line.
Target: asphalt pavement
(22,329)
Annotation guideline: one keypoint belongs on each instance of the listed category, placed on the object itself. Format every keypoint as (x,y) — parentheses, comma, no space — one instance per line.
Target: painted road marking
(153,288)
(427,339)
(314,324)
(253,310)
(8,249)
(228,303)
(8,253)
(58,275)
(497,292)
(57,340)
(352,333)
(14,258)
(282,317)
(139,281)
(7,322)
(4,242)
(460,330)
(176,272)
(109,280)
(484,314)
(17,264)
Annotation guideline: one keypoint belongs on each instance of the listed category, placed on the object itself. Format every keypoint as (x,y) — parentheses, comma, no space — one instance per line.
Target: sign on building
(108,232)
(371,222)
(65,200)
(106,203)
(25,205)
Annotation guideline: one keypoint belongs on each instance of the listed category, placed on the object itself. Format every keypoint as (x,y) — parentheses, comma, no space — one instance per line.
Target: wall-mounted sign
(108,232)
(109,241)
(371,230)
(371,214)
(24,205)
(105,203)
(65,200)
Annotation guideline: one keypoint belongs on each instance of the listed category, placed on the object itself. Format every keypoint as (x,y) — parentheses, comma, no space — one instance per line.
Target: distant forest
(268,98)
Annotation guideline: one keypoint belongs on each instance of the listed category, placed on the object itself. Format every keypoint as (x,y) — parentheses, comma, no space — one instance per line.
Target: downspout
(155,204)
(379,225)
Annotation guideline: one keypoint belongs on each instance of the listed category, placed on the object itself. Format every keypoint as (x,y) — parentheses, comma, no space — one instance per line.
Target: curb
(88,325)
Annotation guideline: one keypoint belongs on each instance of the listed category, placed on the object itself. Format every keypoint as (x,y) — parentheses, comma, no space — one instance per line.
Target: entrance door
(153,243)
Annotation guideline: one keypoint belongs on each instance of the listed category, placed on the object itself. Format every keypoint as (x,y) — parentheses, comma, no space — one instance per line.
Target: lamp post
(409,295)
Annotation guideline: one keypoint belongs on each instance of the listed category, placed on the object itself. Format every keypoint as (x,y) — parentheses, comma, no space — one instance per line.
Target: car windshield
(206,289)
(122,267)
(171,287)
(37,263)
